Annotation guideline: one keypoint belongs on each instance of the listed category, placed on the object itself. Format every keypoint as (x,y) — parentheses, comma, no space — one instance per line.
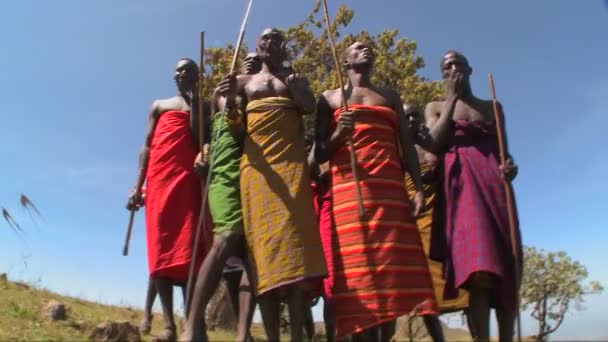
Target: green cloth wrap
(224,189)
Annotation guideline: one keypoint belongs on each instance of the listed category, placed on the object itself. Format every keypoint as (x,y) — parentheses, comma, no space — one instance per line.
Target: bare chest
(477,112)
(263,85)
(361,96)
(174,104)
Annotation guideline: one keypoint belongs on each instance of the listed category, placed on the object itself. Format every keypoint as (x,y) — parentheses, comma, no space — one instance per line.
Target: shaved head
(359,53)
(270,45)
(453,54)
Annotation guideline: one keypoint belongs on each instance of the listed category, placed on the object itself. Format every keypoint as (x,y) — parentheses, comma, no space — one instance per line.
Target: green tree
(551,285)
(397,63)
(217,65)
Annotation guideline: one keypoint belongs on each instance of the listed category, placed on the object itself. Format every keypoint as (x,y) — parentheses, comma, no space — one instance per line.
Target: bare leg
(247,305)
(270,308)
(467,313)
(433,326)
(207,281)
(164,287)
(295,302)
(328,317)
(387,330)
(506,324)
(309,324)
(233,281)
(479,308)
(146,324)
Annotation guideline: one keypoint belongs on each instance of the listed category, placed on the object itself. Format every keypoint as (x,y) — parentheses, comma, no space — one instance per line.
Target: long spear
(201,220)
(201,144)
(498,116)
(353,157)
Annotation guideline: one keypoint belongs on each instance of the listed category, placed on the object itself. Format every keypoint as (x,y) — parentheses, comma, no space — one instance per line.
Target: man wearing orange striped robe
(380,269)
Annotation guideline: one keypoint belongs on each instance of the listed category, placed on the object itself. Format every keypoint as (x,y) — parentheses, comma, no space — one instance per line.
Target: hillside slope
(20,314)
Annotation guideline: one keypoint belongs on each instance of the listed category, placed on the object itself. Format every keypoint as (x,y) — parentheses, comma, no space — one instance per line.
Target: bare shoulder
(333,97)
(432,111)
(242,79)
(487,107)
(434,107)
(164,105)
(392,96)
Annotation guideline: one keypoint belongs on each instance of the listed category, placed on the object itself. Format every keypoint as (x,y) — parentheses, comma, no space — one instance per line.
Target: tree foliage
(308,47)
(396,61)
(551,285)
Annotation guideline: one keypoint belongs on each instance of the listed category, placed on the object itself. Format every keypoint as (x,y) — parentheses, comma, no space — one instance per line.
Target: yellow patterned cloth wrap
(276,196)
(425,221)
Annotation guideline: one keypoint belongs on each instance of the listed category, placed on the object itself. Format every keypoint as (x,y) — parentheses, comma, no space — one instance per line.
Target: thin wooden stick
(200,226)
(201,88)
(353,157)
(205,188)
(125,248)
(498,118)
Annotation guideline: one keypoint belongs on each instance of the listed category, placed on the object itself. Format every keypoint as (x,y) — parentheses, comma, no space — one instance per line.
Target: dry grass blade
(11,221)
(28,205)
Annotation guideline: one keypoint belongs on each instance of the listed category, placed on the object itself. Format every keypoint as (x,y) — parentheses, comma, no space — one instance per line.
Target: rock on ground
(115,331)
(53,310)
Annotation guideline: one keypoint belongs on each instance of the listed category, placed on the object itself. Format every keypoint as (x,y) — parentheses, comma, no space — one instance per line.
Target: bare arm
(215,101)
(236,108)
(410,158)
(301,93)
(195,118)
(215,107)
(321,144)
(326,143)
(313,166)
(439,127)
(144,156)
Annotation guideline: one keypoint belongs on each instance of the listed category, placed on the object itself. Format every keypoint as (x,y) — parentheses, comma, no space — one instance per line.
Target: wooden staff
(353,157)
(205,190)
(201,89)
(498,118)
(125,248)
(200,226)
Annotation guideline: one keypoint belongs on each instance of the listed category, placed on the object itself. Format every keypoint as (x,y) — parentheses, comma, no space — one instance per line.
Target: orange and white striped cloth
(380,269)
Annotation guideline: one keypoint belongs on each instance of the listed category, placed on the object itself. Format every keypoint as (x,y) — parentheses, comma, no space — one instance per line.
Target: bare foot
(145,326)
(188,337)
(166,336)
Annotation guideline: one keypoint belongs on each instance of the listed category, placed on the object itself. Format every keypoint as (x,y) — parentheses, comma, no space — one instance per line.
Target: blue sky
(78,78)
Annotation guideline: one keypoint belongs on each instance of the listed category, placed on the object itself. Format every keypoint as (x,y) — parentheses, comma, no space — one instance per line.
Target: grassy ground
(21,321)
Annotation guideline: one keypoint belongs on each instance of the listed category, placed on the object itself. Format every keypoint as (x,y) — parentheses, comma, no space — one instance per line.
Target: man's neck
(271,67)
(468,96)
(183,94)
(359,78)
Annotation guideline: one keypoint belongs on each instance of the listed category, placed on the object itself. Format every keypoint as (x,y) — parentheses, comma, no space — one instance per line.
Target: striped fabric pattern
(425,221)
(477,226)
(380,270)
(277,201)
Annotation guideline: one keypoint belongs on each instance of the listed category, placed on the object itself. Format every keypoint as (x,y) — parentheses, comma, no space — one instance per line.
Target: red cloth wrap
(173,199)
(322,200)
